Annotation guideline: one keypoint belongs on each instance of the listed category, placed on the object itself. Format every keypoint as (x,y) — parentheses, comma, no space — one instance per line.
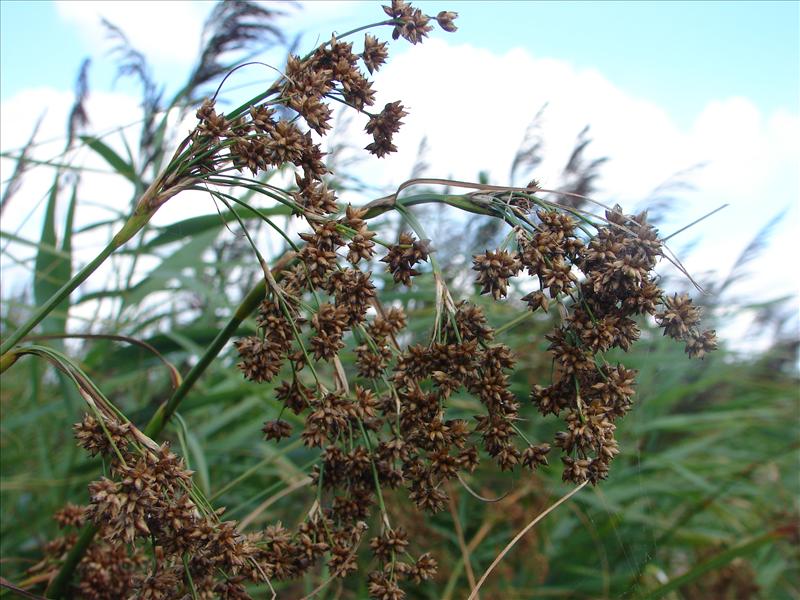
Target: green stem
(56,299)
(159,420)
(134,224)
(58,586)
(374,473)
(465,203)
(513,322)
(8,359)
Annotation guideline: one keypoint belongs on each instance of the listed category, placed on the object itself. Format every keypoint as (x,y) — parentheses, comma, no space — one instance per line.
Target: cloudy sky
(708,91)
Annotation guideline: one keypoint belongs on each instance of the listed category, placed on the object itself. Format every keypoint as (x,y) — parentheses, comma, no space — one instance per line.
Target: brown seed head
(374,54)
(445,19)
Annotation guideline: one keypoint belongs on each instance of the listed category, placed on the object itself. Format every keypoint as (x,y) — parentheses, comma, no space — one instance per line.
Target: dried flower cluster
(393,429)
(601,286)
(260,140)
(149,502)
(398,409)
(389,424)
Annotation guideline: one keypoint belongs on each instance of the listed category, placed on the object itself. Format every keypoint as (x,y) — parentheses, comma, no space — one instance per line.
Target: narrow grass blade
(112,158)
(196,225)
(53,269)
(720,560)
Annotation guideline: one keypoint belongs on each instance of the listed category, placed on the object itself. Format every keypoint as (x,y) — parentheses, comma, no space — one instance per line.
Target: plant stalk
(131,227)
(164,413)
(8,359)
(58,585)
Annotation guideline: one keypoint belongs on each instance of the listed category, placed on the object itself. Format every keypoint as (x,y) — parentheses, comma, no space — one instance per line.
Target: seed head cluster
(147,505)
(388,422)
(392,429)
(278,130)
(601,287)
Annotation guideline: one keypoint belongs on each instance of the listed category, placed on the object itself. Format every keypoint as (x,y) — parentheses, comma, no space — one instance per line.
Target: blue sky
(678,54)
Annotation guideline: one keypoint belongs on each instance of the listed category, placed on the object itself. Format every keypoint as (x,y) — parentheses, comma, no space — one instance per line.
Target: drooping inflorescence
(388,421)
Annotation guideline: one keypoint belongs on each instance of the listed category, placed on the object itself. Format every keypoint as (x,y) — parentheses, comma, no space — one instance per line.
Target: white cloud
(24,212)
(165,31)
(107,112)
(474,106)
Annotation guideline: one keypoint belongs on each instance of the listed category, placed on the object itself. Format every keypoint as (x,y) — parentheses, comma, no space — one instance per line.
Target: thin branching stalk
(519,536)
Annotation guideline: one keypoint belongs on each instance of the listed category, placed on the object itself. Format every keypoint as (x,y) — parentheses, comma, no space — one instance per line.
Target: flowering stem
(159,420)
(375,475)
(465,203)
(364,27)
(513,322)
(162,416)
(521,434)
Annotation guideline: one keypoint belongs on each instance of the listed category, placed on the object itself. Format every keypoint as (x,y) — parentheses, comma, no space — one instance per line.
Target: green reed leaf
(53,268)
(111,157)
(720,560)
(196,225)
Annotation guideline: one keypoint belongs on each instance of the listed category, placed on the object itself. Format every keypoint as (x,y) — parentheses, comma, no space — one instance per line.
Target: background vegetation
(702,502)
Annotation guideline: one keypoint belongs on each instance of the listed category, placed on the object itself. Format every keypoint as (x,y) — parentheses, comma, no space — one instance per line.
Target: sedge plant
(375,398)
